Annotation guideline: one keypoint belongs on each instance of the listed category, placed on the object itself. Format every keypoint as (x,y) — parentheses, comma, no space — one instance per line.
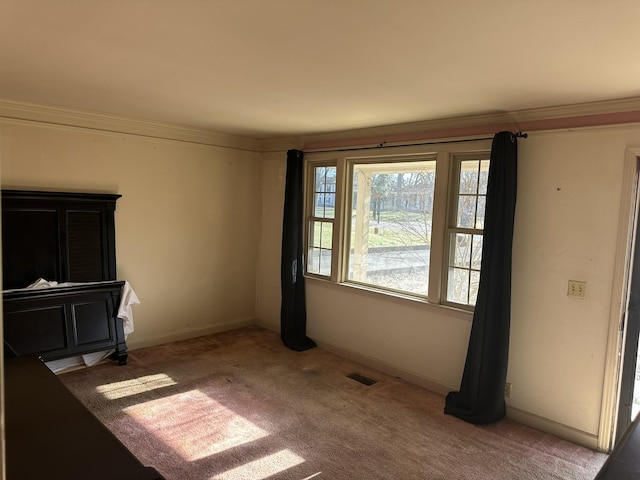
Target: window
(407,224)
(465,231)
(390,224)
(323,205)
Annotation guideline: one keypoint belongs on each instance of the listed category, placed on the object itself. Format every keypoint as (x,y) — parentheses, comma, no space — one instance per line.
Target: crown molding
(609,112)
(548,118)
(281,144)
(631,104)
(61,116)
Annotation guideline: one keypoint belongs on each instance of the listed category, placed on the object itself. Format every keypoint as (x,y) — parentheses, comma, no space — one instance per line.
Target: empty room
(333,240)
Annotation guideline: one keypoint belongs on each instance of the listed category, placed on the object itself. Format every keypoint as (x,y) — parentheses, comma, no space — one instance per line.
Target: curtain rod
(383,144)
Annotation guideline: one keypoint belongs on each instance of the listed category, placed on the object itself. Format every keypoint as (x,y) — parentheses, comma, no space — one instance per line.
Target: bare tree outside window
(390,234)
(370,220)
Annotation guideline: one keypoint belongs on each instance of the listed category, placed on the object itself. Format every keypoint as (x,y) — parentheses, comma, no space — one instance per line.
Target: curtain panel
(293,313)
(481,396)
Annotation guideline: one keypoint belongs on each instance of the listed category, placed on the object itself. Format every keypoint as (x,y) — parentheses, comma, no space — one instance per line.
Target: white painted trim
(439,219)
(630,104)
(615,344)
(552,427)
(267,325)
(37,113)
(41,113)
(134,343)
(453,123)
(387,368)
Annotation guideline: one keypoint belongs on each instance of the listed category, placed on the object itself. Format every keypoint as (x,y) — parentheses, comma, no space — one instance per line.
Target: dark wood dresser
(51,435)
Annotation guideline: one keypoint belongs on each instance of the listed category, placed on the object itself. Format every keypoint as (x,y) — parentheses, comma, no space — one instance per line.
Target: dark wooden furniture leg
(121,353)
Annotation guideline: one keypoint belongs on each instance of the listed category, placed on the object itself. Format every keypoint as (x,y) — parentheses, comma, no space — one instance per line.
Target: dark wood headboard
(61,237)
(66,237)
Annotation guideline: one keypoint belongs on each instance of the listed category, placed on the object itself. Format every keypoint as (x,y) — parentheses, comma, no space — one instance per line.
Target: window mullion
(439,261)
(308,213)
(339,226)
(470,231)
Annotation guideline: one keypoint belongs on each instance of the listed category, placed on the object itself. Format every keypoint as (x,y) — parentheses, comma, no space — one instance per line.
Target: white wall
(186,225)
(199,238)
(566,228)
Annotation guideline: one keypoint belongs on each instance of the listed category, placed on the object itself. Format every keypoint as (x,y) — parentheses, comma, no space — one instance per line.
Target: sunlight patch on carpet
(127,388)
(194,425)
(263,467)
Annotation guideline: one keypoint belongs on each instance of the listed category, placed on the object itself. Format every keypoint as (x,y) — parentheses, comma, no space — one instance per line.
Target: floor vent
(362,379)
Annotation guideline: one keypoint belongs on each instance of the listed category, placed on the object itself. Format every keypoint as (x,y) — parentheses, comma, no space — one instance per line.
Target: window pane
(390,235)
(324,198)
(318,204)
(313,260)
(315,233)
(320,248)
(480,208)
(458,286)
(464,268)
(484,177)
(474,283)
(476,257)
(320,175)
(325,262)
(321,235)
(469,176)
(466,211)
(461,248)
(329,205)
(330,179)
(327,233)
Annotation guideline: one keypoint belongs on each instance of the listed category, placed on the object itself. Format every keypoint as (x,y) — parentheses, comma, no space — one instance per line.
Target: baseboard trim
(517,415)
(552,427)
(387,368)
(134,344)
(267,325)
(374,363)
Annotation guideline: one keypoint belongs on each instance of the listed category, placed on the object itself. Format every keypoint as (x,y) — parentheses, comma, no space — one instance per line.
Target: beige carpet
(239,405)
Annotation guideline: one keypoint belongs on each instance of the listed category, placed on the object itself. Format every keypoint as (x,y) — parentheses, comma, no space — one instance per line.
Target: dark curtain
(293,312)
(481,396)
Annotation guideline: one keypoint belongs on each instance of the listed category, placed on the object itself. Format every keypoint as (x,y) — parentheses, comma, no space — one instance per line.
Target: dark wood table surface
(51,435)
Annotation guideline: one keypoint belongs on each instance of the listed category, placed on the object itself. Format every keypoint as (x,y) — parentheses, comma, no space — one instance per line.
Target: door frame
(629,208)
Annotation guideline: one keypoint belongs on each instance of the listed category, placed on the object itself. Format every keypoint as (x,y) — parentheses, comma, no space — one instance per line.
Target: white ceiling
(267,68)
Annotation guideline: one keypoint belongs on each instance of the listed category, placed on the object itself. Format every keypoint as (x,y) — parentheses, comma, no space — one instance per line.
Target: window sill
(405,300)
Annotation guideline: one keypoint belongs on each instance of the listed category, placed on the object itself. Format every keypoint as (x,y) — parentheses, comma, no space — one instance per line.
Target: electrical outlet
(577,289)
(507,390)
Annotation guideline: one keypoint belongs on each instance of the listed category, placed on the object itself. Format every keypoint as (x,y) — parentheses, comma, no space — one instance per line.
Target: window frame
(309,216)
(351,164)
(452,213)
(446,154)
